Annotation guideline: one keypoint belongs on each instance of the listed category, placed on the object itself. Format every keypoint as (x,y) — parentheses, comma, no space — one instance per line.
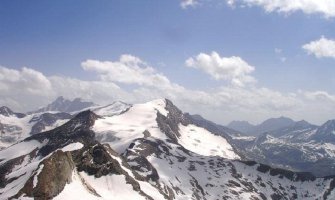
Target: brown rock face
(56,172)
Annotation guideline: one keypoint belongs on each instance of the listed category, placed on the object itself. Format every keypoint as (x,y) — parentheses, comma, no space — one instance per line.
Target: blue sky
(54,38)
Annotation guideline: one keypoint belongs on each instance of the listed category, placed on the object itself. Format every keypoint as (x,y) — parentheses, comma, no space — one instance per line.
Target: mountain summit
(64,105)
(326,132)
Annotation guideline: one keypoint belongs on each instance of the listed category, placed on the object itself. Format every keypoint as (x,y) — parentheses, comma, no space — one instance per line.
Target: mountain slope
(300,147)
(67,163)
(147,120)
(14,128)
(241,126)
(143,151)
(326,132)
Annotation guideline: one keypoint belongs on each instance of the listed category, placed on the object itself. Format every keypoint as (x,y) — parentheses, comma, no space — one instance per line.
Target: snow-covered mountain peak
(137,121)
(160,105)
(159,120)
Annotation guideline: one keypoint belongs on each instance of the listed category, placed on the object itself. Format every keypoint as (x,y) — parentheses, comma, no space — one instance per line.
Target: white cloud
(319,95)
(326,8)
(27,89)
(321,48)
(233,69)
(188,3)
(129,70)
(26,80)
(323,7)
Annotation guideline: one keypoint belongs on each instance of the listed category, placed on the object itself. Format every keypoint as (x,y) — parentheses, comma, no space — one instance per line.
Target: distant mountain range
(155,151)
(266,126)
(65,105)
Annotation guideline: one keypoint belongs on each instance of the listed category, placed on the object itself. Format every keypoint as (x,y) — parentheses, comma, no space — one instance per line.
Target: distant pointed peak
(328,124)
(5,111)
(5,108)
(303,122)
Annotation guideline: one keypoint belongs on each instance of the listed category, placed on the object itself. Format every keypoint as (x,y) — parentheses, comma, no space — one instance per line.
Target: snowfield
(113,109)
(202,142)
(18,150)
(17,129)
(72,147)
(107,187)
(120,130)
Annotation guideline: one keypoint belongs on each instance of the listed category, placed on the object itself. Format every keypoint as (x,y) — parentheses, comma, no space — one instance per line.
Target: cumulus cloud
(27,89)
(324,7)
(129,70)
(26,81)
(321,48)
(233,69)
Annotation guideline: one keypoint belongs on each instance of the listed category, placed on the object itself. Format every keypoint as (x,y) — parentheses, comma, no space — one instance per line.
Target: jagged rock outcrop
(5,111)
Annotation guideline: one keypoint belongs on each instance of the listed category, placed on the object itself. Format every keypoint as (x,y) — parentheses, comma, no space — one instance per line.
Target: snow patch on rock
(35,181)
(72,147)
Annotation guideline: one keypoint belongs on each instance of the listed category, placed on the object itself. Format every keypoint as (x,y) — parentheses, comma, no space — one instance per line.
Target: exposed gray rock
(65,105)
(5,111)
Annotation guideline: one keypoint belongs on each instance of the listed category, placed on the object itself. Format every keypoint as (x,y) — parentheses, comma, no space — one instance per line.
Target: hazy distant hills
(64,105)
(266,126)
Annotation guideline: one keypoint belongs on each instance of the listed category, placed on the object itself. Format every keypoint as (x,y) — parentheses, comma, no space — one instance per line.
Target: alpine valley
(80,150)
